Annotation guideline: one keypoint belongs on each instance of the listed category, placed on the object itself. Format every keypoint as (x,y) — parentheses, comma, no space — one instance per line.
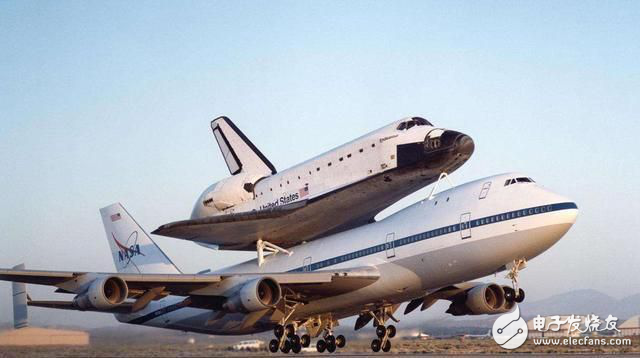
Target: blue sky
(104,102)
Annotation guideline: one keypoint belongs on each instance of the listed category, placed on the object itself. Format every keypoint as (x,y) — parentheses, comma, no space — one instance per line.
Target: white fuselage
(462,234)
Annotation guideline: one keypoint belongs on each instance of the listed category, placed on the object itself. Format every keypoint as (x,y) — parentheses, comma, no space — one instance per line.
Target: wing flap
(125,307)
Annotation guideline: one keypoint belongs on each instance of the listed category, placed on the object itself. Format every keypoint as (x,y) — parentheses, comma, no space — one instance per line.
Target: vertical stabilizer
(20,312)
(237,150)
(132,248)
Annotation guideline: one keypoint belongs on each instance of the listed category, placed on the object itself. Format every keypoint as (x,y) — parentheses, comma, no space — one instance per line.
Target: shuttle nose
(452,141)
(464,144)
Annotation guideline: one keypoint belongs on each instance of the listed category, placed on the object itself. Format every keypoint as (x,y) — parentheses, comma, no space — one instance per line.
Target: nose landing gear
(515,294)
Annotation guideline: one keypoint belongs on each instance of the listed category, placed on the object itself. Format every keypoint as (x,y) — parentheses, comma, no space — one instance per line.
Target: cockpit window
(518,180)
(415,121)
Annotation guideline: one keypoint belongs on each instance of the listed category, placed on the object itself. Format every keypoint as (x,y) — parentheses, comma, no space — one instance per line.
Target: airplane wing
(307,285)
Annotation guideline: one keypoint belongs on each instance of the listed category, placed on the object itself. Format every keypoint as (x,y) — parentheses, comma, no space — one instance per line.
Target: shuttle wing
(291,224)
(238,231)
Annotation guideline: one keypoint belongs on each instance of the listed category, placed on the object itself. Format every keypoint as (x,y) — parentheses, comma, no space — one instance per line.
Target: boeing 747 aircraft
(429,251)
(258,207)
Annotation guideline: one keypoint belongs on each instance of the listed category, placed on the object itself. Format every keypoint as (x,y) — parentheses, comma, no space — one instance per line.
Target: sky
(104,102)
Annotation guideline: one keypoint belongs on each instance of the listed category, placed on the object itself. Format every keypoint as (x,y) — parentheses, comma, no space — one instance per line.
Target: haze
(106,102)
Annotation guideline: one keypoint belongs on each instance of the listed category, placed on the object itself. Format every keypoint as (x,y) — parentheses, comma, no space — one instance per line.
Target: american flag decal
(304,191)
(115,217)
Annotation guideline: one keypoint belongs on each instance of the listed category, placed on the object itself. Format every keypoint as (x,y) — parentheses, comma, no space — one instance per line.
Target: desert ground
(403,347)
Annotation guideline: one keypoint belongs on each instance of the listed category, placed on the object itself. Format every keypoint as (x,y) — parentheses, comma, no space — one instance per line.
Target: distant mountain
(582,302)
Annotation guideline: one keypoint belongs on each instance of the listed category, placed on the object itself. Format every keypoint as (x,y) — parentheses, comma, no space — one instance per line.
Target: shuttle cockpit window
(518,180)
(415,121)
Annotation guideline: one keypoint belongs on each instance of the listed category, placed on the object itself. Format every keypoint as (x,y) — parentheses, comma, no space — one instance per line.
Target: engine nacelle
(481,299)
(255,295)
(103,293)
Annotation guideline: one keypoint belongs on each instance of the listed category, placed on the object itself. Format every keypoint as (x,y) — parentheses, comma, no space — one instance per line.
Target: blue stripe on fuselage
(444,230)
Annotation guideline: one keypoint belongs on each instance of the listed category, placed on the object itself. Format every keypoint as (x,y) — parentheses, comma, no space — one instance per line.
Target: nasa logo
(128,250)
(510,330)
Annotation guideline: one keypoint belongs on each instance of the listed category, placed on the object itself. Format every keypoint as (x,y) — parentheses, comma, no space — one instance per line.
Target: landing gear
(341,341)
(384,333)
(286,340)
(515,294)
(384,338)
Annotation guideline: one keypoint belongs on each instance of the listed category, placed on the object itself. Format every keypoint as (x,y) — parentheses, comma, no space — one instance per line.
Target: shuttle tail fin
(132,248)
(20,312)
(238,151)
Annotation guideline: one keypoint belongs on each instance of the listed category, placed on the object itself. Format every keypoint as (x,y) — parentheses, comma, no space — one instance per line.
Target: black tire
(330,339)
(278,331)
(286,347)
(321,345)
(295,339)
(290,330)
(274,345)
(375,345)
(387,346)
(381,331)
(391,331)
(509,294)
(296,348)
(331,347)
(341,341)
(305,340)
(520,297)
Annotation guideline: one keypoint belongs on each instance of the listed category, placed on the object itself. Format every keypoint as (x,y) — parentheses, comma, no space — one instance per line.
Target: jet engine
(481,299)
(253,296)
(103,293)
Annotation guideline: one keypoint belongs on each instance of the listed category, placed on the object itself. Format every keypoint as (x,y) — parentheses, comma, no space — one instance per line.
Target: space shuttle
(259,207)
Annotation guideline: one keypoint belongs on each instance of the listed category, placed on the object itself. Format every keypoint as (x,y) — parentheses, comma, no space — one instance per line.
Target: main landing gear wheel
(391,331)
(520,297)
(286,347)
(278,331)
(305,340)
(274,345)
(375,345)
(380,331)
(290,330)
(387,346)
(341,341)
(321,345)
(296,348)
(295,340)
